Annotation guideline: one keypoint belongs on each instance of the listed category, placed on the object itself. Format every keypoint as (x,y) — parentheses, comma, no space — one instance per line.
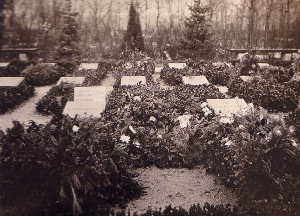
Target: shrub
(278,74)
(67,174)
(219,73)
(248,64)
(15,68)
(41,75)
(171,76)
(65,67)
(12,96)
(50,104)
(255,156)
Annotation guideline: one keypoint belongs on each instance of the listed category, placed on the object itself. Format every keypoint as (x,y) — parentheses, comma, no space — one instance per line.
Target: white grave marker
(194,80)
(4,64)
(88,66)
(158,69)
(240,55)
(93,93)
(229,107)
(84,109)
(277,55)
(72,80)
(177,65)
(245,78)
(222,89)
(11,81)
(263,65)
(287,57)
(133,80)
(23,57)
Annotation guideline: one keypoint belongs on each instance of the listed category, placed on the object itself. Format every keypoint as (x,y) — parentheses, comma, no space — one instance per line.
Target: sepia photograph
(149,107)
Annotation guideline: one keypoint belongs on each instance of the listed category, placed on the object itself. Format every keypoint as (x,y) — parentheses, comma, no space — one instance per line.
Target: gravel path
(109,82)
(26,111)
(178,187)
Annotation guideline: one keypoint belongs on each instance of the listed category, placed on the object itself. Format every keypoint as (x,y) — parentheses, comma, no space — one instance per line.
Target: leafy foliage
(133,39)
(197,42)
(70,173)
(41,74)
(278,74)
(66,67)
(15,68)
(12,96)
(248,64)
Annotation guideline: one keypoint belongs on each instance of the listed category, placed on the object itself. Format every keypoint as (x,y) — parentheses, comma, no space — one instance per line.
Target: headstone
(23,57)
(133,80)
(158,69)
(88,66)
(222,89)
(228,107)
(177,65)
(93,93)
(277,55)
(11,81)
(240,55)
(287,57)
(245,78)
(72,80)
(84,109)
(260,57)
(194,80)
(4,64)
(263,65)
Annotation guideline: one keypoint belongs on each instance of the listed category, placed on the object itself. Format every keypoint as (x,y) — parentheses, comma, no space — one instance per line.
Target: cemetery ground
(112,136)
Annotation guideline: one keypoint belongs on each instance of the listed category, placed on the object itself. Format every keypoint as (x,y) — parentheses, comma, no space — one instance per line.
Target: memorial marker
(92,94)
(11,81)
(4,64)
(222,89)
(229,107)
(287,57)
(72,80)
(133,80)
(177,65)
(88,66)
(84,109)
(194,80)
(277,55)
(263,65)
(245,78)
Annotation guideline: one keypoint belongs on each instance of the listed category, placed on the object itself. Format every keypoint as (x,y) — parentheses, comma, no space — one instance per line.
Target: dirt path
(178,187)
(26,111)
(109,82)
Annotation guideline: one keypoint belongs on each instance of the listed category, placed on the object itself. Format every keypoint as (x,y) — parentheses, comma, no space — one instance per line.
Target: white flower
(75,128)
(277,132)
(184,120)
(253,66)
(126,107)
(204,104)
(292,129)
(137,98)
(206,109)
(125,139)
(242,127)
(152,118)
(159,136)
(207,113)
(132,129)
(294,143)
(225,120)
(137,144)
(228,143)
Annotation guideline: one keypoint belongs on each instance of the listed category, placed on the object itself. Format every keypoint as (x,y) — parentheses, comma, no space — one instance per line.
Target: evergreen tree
(197,41)
(68,41)
(133,39)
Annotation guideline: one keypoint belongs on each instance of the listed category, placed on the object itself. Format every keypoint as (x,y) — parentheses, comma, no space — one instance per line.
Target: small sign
(4,64)
(84,109)
(229,107)
(194,80)
(11,81)
(133,80)
(245,78)
(92,94)
(177,65)
(88,66)
(72,80)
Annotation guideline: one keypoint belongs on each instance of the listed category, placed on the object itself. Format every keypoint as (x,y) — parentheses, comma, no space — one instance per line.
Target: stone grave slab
(194,80)
(277,55)
(263,65)
(4,64)
(92,94)
(73,80)
(88,66)
(177,65)
(287,57)
(229,107)
(158,69)
(222,89)
(84,109)
(23,57)
(240,55)
(133,80)
(245,78)
(11,81)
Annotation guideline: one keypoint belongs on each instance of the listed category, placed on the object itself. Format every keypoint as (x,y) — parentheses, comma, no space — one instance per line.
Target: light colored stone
(73,80)
(263,65)
(277,55)
(194,80)
(133,80)
(229,107)
(177,65)
(84,109)
(158,69)
(222,89)
(287,57)
(88,66)
(11,81)
(23,57)
(184,120)
(4,64)
(240,55)
(93,93)
(246,78)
